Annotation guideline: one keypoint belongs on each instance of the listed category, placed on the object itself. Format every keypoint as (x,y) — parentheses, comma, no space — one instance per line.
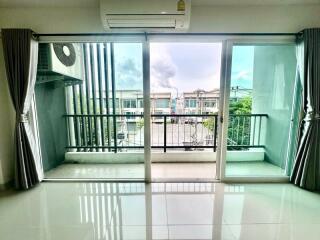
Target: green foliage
(209,123)
(140,123)
(239,128)
(242,106)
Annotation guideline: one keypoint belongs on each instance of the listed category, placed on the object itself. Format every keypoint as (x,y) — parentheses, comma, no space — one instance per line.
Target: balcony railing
(197,132)
(246,131)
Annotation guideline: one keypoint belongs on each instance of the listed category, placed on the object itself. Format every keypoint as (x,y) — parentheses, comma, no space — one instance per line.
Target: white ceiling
(95,3)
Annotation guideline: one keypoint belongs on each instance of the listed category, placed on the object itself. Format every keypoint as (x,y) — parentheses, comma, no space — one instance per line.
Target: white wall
(291,18)
(281,18)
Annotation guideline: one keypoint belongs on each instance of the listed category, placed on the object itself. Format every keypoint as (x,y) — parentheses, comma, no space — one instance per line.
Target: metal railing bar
(215,133)
(247,146)
(235,122)
(201,132)
(190,131)
(254,130)
(68,132)
(250,115)
(93,92)
(86,69)
(171,133)
(178,132)
(113,85)
(165,134)
(151,133)
(100,92)
(243,126)
(141,135)
(184,131)
(164,115)
(84,134)
(232,127)
(259,131)
(238,127)
(168,146)
(106,82)
(75,122)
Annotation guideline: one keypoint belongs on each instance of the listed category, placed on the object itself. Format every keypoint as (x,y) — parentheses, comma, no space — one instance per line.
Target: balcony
(189,137)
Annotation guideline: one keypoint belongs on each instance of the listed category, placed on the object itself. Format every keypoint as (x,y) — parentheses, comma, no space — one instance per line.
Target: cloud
(129,74)
(162,73)
(244,74)
(242,78)
(163,70)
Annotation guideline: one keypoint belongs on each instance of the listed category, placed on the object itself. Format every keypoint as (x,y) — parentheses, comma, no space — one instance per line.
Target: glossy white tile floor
(112,171)
(194,171)
(135,171)
(135,211)
(258,168)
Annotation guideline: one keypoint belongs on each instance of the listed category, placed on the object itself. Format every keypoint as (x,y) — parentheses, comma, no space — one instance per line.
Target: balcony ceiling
(95,3)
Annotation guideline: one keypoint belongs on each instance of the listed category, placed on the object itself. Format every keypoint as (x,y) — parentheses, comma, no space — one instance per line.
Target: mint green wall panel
(274,71)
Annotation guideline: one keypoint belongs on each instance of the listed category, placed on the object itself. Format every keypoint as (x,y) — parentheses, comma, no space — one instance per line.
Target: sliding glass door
(102,106)
(185,102)
(260,83)
(90,110)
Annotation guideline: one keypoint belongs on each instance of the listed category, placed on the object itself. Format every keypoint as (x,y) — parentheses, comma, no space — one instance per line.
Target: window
(190,103)
(129,103)
(162,103)
(140,103)
(210,104)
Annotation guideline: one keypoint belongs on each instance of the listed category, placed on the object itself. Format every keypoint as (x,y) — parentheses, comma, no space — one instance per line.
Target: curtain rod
(163,34)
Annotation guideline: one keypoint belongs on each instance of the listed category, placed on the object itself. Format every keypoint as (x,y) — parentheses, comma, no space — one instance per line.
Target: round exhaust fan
(65,52)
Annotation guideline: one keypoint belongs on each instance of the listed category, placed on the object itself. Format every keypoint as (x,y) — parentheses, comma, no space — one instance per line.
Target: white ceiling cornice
(95,3)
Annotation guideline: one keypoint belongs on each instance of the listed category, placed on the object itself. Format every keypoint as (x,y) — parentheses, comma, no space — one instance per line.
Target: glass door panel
(262,82)
(185,96)
(89,109)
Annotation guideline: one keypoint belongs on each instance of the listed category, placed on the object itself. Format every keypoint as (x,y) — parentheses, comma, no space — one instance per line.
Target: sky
(242,66)
(181,67)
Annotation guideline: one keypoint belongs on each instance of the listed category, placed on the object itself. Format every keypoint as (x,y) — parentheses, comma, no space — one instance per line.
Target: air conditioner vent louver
(43,59)
(142,22)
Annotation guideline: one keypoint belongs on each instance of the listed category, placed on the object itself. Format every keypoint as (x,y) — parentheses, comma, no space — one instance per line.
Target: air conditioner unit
(60,62)
(145,14)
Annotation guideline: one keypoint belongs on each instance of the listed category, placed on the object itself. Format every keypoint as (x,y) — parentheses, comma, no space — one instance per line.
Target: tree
(242,106)
(209,123)
(239,128)
(140,123)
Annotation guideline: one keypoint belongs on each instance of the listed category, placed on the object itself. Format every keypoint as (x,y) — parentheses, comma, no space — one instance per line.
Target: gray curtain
(21,55)
(306,170)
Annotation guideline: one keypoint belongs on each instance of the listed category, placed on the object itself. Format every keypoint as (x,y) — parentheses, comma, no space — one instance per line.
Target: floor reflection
(117,211)
(157,211)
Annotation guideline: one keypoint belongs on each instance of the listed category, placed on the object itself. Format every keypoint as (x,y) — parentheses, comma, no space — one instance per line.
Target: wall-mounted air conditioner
(60,62)
(145,14)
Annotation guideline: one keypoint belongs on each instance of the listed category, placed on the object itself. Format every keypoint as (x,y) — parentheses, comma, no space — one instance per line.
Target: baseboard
(6,186)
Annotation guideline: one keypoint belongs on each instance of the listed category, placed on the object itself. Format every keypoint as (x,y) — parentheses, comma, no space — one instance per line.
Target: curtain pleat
(21,55)
(306,170)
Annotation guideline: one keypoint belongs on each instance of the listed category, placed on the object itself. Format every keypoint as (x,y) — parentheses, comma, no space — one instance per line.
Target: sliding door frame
(199,39)
(225,79)
(146,110)
(229,44)
(145,55)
